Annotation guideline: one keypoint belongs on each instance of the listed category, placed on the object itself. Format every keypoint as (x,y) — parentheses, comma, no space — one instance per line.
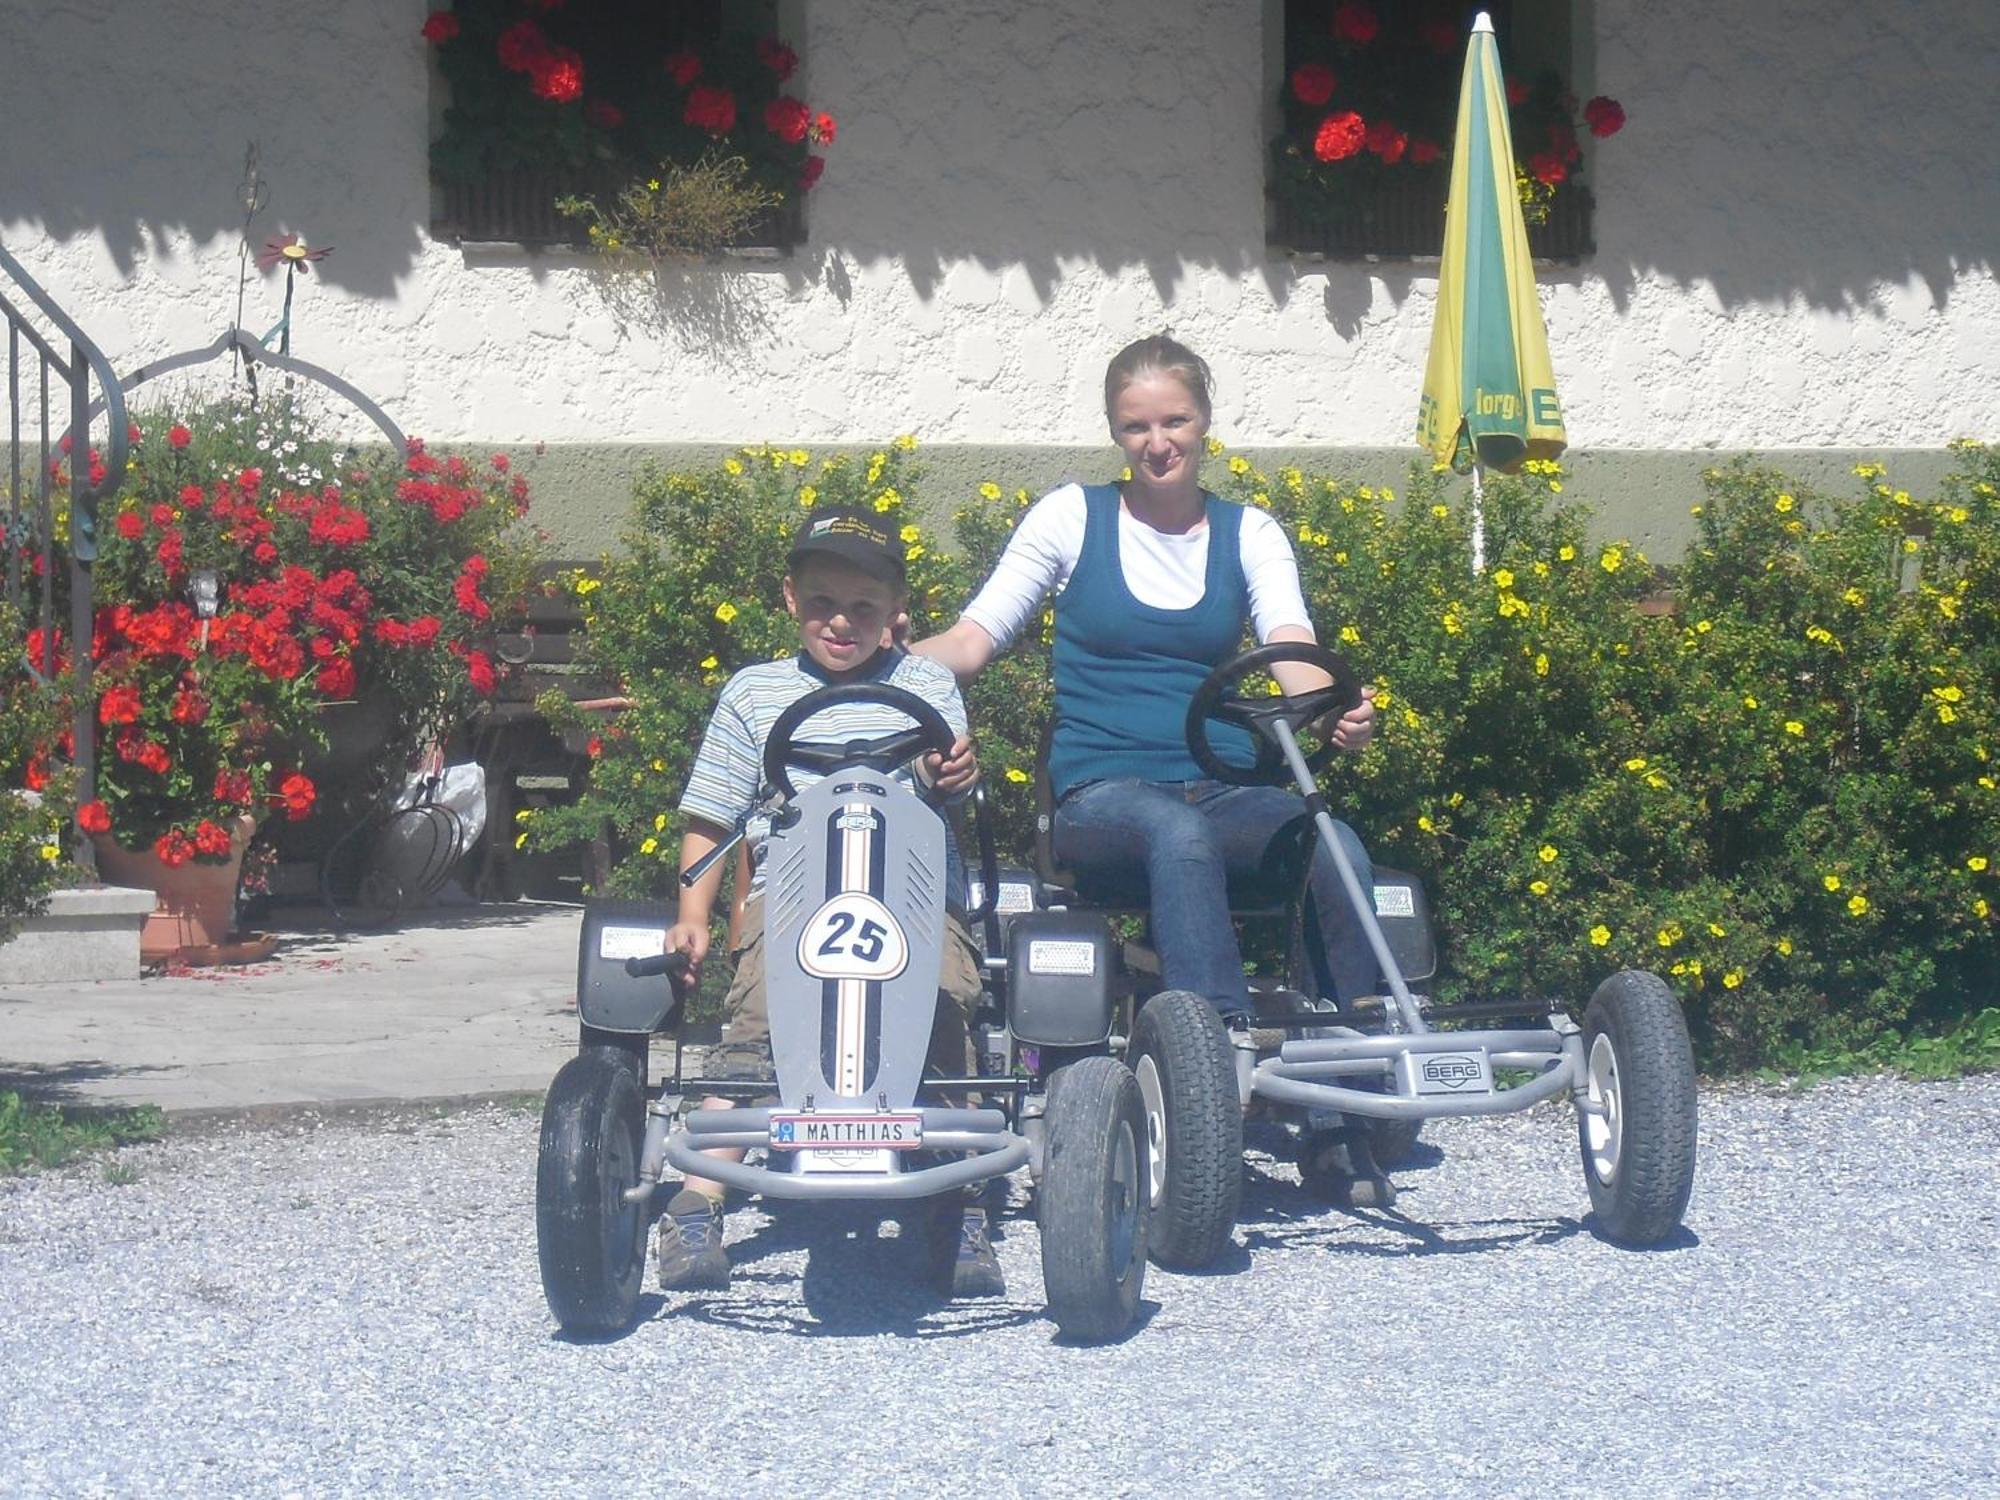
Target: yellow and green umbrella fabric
(1489,393)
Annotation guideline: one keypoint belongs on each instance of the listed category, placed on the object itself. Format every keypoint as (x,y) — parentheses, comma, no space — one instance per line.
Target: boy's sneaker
(691,1255)
(974,1270)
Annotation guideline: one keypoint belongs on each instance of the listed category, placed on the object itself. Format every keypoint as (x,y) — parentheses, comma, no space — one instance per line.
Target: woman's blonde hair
(1158,355)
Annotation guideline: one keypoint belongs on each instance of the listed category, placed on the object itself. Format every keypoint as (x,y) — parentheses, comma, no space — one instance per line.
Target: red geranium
(711,109)
(1356,24)
(440,26)
(557,76)
(94,817)
(297,793)
(119,705)
(179,436)
(1340,136)
(823,129)
(190,707)
(683,67)
(479,672)
(336,677)
(809,174)
(776,56)
(234,786)
(521,46)
(1547,167)
(1387,142)
(1312,84)
(211,839)
(1604,115)
(131,525)
(787,118)
(174,848)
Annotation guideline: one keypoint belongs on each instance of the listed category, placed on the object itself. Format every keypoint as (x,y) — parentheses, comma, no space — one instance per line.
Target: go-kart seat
(1271,894)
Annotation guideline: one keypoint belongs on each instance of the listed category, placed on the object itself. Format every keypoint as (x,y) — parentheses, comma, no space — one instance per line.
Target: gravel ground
(352,1306)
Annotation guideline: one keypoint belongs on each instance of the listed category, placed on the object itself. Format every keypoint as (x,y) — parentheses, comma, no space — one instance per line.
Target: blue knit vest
(1126,671)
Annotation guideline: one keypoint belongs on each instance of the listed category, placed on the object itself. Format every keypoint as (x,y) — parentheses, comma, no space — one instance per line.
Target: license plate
(829,1132)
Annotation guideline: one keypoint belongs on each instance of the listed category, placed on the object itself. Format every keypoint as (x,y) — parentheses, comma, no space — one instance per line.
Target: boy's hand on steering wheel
(950,775)
(1355,728)
(690,938)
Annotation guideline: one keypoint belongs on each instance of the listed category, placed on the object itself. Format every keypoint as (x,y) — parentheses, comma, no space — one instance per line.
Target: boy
(845,586)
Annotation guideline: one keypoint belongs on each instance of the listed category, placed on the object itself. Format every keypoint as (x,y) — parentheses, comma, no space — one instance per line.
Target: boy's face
(842,612)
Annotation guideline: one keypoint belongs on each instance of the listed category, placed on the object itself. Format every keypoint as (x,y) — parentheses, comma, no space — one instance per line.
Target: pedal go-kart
(855,904)
(1380,1066)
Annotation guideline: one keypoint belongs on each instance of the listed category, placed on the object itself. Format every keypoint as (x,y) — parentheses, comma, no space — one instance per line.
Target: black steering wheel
(1261,715)
(884,752)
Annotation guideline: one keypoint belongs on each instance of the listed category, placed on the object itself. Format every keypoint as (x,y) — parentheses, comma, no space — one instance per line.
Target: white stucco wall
(1797,230)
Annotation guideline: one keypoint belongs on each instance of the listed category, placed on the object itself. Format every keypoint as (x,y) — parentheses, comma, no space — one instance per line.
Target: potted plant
(252,575)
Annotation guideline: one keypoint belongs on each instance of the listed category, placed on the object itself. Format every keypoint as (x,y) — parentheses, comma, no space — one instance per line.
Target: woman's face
(1158,423)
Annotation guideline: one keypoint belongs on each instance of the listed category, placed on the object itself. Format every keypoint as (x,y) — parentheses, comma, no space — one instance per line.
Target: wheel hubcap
(1154,1093)
(1604,1127)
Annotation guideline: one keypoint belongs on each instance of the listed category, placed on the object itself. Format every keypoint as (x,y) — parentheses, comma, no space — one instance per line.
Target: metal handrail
(86,363)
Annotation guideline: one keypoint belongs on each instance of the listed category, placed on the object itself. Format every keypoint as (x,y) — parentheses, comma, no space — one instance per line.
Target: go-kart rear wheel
(592,1243)
(1638,1133)
(1186,1070)
(1093,1200)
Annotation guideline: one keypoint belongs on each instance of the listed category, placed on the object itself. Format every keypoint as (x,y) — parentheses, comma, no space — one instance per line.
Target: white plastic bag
(435,819)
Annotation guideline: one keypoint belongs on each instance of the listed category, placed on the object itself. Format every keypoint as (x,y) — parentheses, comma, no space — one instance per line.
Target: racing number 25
(866,944)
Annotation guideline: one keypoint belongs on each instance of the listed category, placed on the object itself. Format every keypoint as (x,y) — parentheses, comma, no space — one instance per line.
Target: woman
(1154,579)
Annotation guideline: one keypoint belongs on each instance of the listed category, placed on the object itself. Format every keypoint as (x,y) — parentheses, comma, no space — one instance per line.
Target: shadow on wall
(1777,151)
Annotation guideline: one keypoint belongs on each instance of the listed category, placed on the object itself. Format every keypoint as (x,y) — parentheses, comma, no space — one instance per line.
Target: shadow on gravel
(1683,1238)
(1450,1238)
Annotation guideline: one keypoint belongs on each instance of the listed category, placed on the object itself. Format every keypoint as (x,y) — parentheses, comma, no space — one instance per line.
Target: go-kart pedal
(966,1264)
(691,1255)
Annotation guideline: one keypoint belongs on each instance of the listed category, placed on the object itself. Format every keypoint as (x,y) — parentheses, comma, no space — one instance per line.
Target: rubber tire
(1394,1142)
(634,1049)
(1093,1200)
(1636,1022)
(1194,1139)
(591,1242)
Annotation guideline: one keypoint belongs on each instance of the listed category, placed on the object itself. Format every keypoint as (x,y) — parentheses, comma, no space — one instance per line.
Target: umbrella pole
(1478,523)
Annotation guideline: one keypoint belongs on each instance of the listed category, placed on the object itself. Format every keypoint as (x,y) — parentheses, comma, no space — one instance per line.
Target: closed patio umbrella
(1489,393)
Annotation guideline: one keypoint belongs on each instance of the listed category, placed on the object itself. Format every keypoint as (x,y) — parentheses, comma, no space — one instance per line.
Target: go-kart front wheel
(591,1241)
(1093,1199)
(1637,1132)
(1186,1069)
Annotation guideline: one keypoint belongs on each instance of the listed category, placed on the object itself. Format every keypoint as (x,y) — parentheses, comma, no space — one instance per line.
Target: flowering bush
(1369,102)
(33,721)
(252,573)
(627,100)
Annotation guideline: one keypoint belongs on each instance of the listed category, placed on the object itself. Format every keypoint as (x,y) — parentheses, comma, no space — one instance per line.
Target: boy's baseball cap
(853,536)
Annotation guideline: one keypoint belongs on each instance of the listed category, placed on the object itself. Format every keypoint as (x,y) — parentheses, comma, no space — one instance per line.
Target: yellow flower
(1857,905)
(660,766)
(1656,781)
(52,852)
(800,458)
(1350,636)
(1909,544)
(1976,863)
(1748,701)
(1668,935)
(1793,726)
(1732,979)
(914,553)
(1451,625)
(1239,465)
(1855,597)
(1946,713)
(725,612)
(1980,908)
(1503,579)
(651,846)
(1539,887)
(906,442)
(525,815)
(1600,935)
(1948,607)
(1016,774)
(1715,930)
(1831,882)
(521,840)
(1424,822)
(1541,664)
(659,822)
(875,463)
(1566,553)
(884,503)
(1611,559)
(1958,515)
(1950,693)
(1636,763)
(1784,503)
(1703,627)
(1440,511)
(709,663)
(588,586)
(989,491)
(910,533)
(1214,446)
(1784,946)
(732,466)
(1547,854)
(652,184)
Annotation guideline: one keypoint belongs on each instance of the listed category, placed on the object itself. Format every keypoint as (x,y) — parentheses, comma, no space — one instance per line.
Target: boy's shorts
(745,1051)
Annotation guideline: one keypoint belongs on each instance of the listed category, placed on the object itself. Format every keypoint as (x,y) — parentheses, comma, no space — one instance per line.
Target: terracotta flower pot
(195,902)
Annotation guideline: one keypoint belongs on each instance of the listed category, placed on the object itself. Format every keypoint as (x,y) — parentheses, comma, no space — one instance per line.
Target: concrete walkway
(451,1004)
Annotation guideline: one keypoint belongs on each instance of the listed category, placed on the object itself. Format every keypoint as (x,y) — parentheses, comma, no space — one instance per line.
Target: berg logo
(1452,1072)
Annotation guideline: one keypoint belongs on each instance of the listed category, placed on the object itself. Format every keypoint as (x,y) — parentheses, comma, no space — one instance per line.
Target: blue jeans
(1180,847)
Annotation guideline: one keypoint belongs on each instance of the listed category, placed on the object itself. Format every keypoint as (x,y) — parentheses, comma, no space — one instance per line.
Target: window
(1367,107)
(541,102)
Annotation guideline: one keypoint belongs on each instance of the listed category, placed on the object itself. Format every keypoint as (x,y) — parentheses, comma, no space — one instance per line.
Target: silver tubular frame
(983,1132)
(1308,1072)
